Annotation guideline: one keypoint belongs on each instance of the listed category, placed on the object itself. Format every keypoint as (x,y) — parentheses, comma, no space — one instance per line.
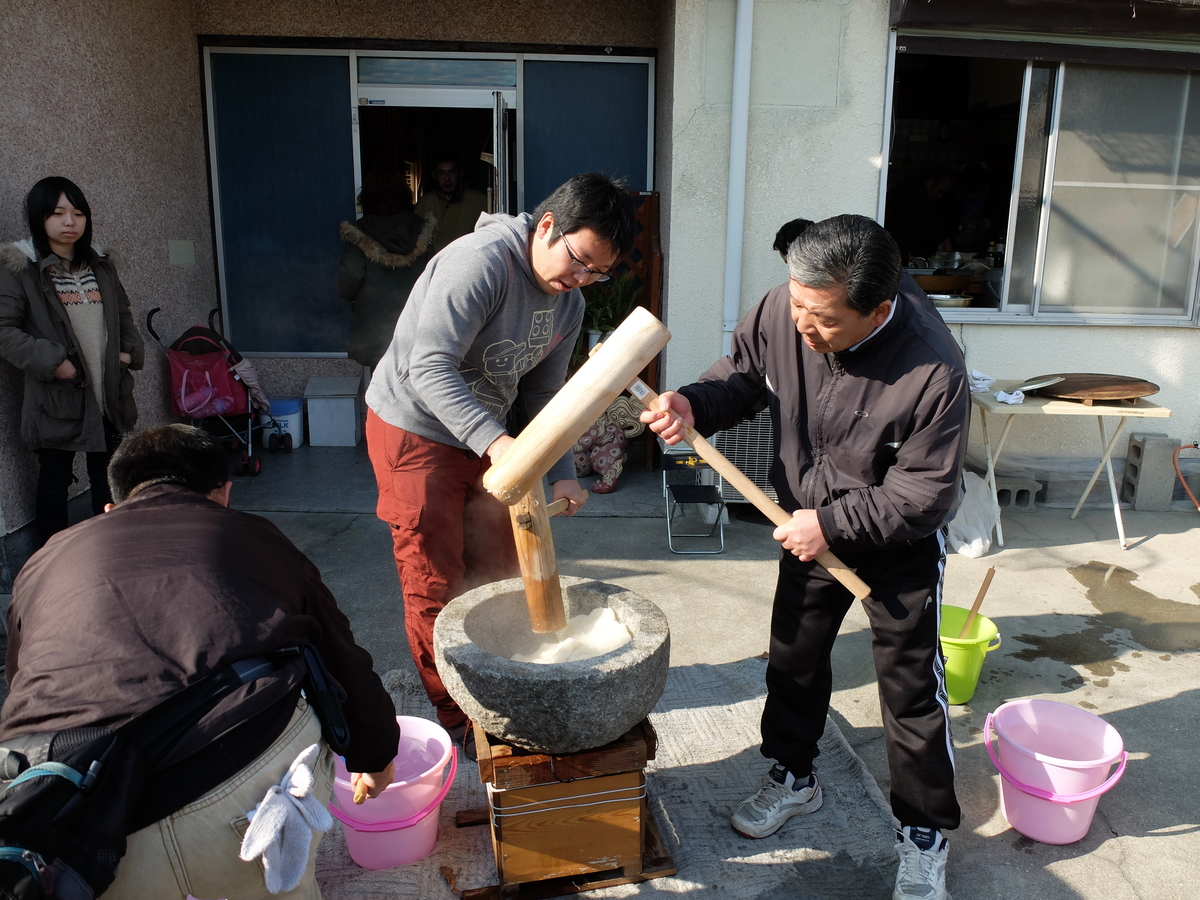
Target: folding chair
(695,507)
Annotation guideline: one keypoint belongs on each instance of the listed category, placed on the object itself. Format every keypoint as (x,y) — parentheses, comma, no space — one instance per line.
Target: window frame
(1061,56)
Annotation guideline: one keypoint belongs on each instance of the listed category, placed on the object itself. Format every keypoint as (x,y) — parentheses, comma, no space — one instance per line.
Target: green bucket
(964,656)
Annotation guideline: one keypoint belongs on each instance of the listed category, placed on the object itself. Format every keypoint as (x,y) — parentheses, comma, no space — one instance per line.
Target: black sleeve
(370,713)
(734,388)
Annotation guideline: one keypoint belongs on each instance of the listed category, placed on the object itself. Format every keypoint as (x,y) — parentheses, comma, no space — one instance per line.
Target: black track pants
(904,612)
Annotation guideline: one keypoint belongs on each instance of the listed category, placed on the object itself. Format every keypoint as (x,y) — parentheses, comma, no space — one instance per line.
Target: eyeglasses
(577,265)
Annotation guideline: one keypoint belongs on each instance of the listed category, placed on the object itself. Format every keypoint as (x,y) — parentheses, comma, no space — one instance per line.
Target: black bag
(67,796)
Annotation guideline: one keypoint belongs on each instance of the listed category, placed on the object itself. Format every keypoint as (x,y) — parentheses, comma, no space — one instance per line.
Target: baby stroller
(217,389)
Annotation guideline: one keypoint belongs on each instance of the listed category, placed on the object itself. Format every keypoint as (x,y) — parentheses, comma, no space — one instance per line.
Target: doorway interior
(409,137)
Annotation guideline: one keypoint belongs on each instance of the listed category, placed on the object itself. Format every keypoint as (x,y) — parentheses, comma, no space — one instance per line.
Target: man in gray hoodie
(496,310)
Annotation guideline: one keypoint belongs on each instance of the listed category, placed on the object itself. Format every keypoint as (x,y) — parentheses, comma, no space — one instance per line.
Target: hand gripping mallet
(750,490)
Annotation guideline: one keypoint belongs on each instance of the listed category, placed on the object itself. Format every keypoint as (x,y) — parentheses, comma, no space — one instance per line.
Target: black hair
(385,192)
(788,233)
(39,206)
(445,154)
(167,454)
(848,250)
(592,201)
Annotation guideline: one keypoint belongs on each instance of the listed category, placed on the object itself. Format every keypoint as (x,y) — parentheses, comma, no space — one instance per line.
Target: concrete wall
(620,23)
(816,121)
(115,108)
(816,112)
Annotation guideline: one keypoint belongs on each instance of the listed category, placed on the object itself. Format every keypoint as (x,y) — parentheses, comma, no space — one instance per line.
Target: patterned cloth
(79,293)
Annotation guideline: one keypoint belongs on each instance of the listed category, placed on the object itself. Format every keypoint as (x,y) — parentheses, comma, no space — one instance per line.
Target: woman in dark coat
(386,251)
(65,322)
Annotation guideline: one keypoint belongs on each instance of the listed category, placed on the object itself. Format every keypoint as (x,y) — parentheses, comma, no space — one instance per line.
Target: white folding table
(1122,410)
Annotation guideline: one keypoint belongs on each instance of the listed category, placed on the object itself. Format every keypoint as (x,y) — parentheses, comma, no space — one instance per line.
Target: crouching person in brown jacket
(117,614)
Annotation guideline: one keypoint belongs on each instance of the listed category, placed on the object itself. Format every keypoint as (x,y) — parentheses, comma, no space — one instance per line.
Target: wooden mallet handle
(983,589)
(751,491)
(553,509)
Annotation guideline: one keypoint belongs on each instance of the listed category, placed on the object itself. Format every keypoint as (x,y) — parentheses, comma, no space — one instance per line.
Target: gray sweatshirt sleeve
(459,301)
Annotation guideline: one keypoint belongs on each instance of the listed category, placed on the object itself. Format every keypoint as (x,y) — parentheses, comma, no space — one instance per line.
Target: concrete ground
(1082,622)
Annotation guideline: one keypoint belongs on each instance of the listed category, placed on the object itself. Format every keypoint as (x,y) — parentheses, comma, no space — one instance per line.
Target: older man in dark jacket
(869,399)
(124,610)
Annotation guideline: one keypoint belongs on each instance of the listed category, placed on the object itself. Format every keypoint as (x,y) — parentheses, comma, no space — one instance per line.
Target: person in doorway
(497,310)
(386,251)
(869,397)
(66,323)
(456,206)
(121,612)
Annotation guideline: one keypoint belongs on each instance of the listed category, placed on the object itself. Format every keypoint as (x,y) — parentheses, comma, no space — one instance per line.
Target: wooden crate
(568,828)
(566,823)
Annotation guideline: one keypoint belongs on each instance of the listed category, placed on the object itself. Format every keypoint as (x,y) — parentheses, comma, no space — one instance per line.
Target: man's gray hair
(847,250)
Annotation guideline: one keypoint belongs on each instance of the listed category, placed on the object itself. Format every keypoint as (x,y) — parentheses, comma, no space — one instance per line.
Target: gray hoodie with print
(477,324)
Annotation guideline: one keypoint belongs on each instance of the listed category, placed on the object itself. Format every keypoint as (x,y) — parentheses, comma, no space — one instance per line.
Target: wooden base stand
(563,824)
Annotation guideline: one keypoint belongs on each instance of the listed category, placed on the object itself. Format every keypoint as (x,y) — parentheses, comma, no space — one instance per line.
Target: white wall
(816,121)
(816,114)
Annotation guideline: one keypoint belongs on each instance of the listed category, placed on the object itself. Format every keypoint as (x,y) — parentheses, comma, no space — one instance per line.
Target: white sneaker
(922,874)
(777,800)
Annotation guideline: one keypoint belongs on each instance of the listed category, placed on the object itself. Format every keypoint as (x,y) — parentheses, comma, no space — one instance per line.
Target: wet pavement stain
(1154,622)
(1085,648)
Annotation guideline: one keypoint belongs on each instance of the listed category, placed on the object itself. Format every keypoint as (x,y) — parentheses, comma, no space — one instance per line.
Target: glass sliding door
(281,142)
(584,116)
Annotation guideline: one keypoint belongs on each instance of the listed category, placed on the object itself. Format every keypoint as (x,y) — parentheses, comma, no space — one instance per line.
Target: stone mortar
(556,708)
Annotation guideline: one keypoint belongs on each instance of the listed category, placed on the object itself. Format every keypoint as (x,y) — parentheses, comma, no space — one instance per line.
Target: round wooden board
(1090,386)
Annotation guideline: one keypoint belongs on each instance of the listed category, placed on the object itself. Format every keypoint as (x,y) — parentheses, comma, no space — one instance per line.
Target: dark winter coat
(872,438)
(125,609)
(384,257)
(36,336)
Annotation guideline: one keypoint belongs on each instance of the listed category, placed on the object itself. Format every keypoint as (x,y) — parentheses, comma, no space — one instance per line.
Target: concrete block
(1149,479)
(1017,494)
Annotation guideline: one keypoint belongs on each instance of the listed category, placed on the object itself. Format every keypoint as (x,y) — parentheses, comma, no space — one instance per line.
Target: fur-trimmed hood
(16,255)
(376,252)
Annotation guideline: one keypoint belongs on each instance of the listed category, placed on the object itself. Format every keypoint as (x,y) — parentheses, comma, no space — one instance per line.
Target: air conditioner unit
(751,447)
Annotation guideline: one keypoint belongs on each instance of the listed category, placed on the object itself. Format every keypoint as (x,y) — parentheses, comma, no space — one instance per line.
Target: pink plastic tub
(400,826)
(1054,762)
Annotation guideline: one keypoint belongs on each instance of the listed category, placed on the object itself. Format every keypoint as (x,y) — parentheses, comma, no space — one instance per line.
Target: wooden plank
(1090,386)
(469,818)
(656,863)
(505,766)
(568,828)
(1046,406)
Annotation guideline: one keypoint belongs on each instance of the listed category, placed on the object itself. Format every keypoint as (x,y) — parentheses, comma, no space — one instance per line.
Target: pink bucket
(400,826)
(1054,762)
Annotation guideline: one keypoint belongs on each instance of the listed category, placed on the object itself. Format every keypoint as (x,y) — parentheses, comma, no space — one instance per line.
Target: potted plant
(608,304)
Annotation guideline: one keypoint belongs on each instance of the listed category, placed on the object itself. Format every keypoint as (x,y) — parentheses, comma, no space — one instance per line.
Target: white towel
(282,825)
(979,382)
(1014,398)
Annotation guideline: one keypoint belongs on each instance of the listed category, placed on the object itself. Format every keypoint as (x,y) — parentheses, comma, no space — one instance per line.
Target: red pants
(449,536)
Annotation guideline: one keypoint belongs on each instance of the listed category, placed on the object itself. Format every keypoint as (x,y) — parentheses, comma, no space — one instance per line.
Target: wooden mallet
(750,490)
(516,478)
